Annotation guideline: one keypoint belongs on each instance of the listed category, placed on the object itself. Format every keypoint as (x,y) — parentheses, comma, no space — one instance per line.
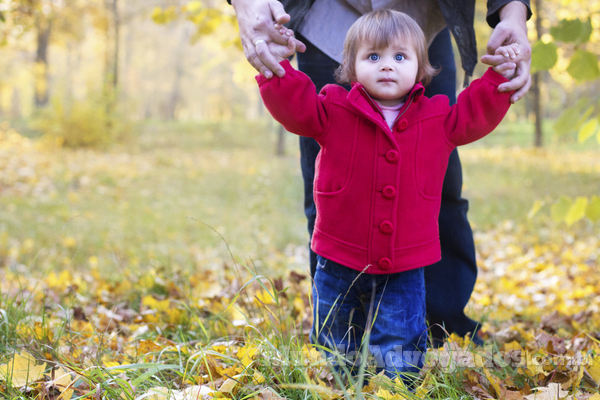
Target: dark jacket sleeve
(494,6)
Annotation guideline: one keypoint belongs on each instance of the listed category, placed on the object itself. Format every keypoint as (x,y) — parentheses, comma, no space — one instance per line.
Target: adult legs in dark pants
(449,283)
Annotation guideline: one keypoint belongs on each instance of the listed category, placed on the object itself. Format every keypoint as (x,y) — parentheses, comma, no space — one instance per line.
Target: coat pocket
(335,162)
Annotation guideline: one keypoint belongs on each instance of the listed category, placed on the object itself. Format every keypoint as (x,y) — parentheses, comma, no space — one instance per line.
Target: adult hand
(260,37)
(512,28)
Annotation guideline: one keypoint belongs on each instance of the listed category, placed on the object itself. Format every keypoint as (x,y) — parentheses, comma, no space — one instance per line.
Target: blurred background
(132,134)
(182,60)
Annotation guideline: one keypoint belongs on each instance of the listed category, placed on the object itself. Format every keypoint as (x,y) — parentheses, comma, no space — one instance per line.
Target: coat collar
(361,100)
(416,93)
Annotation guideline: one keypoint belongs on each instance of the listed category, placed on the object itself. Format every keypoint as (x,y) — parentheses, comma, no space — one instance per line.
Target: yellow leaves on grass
(594,369)
(192,392)
(387,395)
(21,370)
(162,309)
(63,382)
(246,354)
(521,274)
(30,168)
(166,316)
(158,305)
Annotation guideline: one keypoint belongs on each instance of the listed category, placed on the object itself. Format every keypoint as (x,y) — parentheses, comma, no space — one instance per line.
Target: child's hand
(283,52)
(510,51)
(508,68)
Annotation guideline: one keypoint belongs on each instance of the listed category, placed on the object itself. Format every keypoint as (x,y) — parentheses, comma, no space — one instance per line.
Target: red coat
(378,192)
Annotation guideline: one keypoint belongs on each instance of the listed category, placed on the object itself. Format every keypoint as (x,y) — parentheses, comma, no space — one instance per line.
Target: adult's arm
(509,20)
(260,38)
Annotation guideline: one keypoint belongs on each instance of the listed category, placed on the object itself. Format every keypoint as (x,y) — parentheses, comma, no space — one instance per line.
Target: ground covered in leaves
(146,309)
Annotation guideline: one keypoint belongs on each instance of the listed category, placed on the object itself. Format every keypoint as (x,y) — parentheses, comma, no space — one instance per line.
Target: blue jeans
(449,282)
(343,300)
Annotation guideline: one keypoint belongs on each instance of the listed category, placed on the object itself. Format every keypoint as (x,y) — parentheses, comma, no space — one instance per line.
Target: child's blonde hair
(381,28)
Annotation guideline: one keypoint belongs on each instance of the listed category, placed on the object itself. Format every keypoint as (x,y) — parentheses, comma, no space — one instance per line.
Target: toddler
(378,181)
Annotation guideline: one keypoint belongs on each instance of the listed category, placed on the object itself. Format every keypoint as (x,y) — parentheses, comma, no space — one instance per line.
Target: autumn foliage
(229,328)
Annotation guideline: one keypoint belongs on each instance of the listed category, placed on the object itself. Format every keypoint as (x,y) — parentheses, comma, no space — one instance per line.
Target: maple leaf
(22,370)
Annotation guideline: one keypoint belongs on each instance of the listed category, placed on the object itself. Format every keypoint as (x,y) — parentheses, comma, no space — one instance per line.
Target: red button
(403,124)
(386,227)
(392,156)
(389,192)
(385,263)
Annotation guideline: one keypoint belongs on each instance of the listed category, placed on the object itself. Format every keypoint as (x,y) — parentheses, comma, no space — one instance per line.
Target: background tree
(570,53)
(48,20)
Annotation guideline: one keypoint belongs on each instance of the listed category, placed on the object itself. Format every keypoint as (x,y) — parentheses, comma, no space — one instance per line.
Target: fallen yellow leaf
(514,345)
(553,392)
(494,381)
(387,395)
(22,370)
(228,386)
(63,382)
(246,354)
(593,369)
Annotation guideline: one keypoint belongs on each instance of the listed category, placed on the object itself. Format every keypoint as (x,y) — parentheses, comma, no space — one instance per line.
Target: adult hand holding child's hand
(512,29)
(508,68)
(263,43)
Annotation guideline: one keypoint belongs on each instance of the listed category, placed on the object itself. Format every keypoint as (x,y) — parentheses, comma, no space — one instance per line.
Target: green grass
(160,202)
(195,199)
(184,191)
(504,174)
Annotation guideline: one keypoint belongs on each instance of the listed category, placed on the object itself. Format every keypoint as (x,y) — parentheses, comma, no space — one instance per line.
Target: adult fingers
(278,12)
(505,67)
(515,83)
(497,38)
(257,63)
(493,60)
(268,63)
(497,59)
(518,95)
(521,82)
(300,47)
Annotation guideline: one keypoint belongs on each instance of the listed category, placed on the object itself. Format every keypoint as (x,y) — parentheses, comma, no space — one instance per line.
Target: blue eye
(374,57)
(399,57)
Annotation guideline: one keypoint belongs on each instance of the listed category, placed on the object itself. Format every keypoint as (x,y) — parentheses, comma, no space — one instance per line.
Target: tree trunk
(537,81)
(116,33)
(179,72)
(125,85)
(69,80)
(537,108)
(15,106)
(43,28)
(280,149)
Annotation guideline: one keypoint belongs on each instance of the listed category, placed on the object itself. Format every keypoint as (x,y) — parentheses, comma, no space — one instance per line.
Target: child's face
(387,74)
